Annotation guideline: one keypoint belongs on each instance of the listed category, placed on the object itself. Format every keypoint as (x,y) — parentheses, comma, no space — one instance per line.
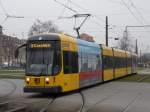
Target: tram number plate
(37,80)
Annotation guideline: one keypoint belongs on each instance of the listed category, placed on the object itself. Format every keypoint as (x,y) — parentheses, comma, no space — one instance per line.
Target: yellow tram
(57,63)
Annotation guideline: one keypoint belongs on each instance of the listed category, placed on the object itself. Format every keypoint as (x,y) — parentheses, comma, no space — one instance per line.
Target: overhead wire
(143,20)
(97,17)
(133,6)
(93,15)
(66,6)
(113,14)
(140,14)
(6,13)
(3,8)
(116,2)
(137,10)
(76,12)
(85,10)
(128,7)
(77,5)
(62,12)
(131,12)
(29,17)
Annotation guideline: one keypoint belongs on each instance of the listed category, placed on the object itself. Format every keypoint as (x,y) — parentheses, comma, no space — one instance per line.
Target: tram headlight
(47,79)
(27,79)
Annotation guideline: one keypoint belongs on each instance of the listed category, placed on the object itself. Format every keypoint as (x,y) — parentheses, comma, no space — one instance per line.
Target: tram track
(81,109)
(11,92)
(23,105)
(50,102)
(83,100)
(89,109)
(130,103)
(11,106)
(100,101)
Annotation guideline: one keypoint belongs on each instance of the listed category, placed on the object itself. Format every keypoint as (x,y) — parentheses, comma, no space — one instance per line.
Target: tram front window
(43,61)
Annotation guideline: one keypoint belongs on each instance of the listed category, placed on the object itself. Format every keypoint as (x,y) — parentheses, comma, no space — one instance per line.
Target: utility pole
(140,56)
(106,31)
(136,47)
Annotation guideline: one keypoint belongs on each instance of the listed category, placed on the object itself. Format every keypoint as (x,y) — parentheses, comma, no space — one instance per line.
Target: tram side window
(108,62)
(84,62)
(70,62)
(134,60)
(120,62)
(116,62)
(123,62)
(128,61)
(79,60)
(89,62)
(98,62)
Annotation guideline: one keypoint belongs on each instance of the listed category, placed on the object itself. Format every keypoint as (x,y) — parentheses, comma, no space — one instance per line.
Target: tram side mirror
(17,50)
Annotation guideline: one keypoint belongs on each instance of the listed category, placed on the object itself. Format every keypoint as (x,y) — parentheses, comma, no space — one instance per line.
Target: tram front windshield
(43,58)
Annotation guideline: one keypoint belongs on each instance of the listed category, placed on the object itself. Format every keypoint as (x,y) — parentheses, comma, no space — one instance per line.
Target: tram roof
(45,36)
(57,36)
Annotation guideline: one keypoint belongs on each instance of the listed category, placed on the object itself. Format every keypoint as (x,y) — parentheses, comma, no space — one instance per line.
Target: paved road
(109,97)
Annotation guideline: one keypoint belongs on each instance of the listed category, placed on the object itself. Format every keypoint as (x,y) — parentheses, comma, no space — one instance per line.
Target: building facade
(8,46)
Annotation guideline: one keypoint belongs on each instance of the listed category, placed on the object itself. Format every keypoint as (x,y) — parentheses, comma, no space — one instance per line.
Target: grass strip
(135,78)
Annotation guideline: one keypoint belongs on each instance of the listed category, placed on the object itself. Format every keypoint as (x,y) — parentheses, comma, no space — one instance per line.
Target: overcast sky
(116,10)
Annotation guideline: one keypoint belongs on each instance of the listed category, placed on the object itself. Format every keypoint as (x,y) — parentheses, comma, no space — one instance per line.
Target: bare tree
(125,43)
(43,27)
